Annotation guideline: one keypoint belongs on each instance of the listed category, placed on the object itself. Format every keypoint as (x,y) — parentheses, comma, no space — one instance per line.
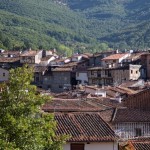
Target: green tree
(22,125)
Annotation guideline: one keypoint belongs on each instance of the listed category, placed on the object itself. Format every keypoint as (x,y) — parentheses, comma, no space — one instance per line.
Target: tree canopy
(22,125)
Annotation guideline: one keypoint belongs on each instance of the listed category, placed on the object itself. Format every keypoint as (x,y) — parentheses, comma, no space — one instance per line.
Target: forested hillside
(40,23)
(74,24)
(121,23)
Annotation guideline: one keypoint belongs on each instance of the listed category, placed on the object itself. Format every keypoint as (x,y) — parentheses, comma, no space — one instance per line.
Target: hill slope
(50,23)
(39,23)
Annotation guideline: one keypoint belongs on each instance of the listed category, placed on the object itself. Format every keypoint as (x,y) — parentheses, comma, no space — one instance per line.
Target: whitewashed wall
(82,76)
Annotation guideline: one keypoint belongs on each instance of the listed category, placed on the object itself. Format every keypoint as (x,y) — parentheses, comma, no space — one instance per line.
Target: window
(60,86)
(3,74)
(136,72)
(37,79)
(131,71)
(138,132)
(76,146)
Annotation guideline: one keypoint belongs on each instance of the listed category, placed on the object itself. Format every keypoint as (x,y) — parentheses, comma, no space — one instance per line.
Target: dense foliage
(22,125)
(77,25)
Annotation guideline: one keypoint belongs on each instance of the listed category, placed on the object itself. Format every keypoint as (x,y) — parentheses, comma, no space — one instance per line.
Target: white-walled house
(82,77)
(91,146)
(4,75)
(114,60)
(87,131)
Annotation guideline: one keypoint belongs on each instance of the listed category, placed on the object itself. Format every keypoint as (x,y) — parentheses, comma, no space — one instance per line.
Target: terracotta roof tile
(114,56)
(84,127)
(9,59)
(30,53)
(72,105)
(40,68)
(140,145)
(107,114)
(131,115)
(62,69)
(14,53)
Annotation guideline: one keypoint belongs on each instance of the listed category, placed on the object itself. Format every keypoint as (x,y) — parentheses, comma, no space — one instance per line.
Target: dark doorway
(77,146)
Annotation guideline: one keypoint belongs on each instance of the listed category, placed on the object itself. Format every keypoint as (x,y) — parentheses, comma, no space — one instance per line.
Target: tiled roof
(102,68)
(106,102)
(135,56)
(128,83)
(14,53)
(84,127)
(140,145)
(30,53)
(40,68)
(131,115)
(96,68)
(9,59)
(70,64)
(114,56)
(62,69)
(72,105)
(107,114)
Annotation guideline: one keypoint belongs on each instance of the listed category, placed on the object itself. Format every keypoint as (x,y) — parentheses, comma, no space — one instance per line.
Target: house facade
(82,77)
(114,60)
(63,79)
(131,123)
(4,75)
(145,62)
(31,57)
(113,76)
(91,146)
(88,131)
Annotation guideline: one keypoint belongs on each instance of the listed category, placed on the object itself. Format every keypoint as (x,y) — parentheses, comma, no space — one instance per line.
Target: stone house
(31,57)
(10,59)
(39,72)
(113,76)
(63,79)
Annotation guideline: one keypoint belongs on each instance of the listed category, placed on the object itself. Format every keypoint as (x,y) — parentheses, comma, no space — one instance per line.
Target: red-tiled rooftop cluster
(83,127)
(72,105)
(114,56)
